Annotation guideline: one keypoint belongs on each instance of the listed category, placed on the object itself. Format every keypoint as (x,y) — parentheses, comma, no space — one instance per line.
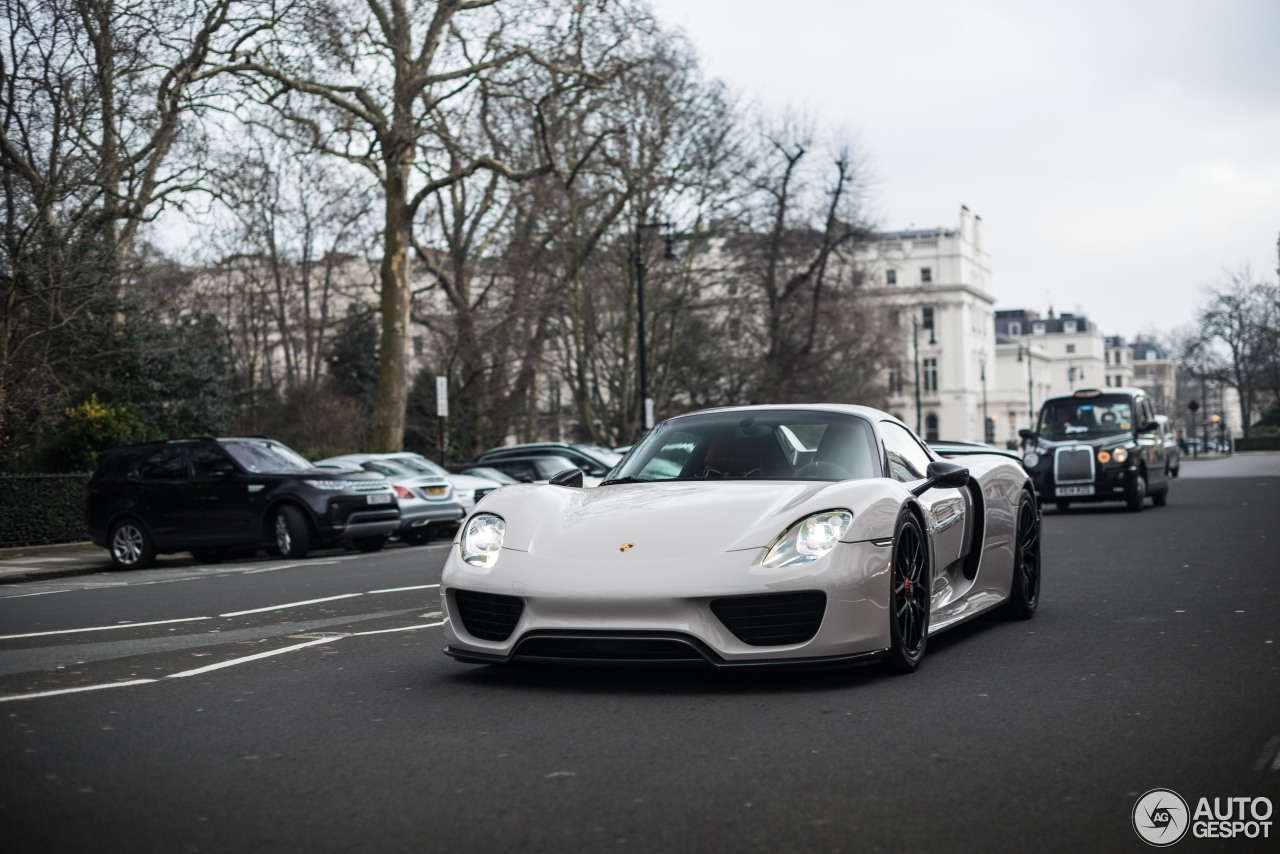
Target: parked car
(1169,439)
(956,448)
(213,496)
(1098,445)
(537,469)
(487,472)
(594,460)
(428,506)
(467,488)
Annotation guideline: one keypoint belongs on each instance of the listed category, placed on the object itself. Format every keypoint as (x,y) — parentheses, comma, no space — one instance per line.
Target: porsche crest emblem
(626,547)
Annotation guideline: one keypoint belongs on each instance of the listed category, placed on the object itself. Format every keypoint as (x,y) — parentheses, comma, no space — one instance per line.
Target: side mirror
(1149,427)
(1028,434)
(568,477)
(945,474)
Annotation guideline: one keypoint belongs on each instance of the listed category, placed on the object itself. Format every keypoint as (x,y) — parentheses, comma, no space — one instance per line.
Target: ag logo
(1161,817)
(626,547)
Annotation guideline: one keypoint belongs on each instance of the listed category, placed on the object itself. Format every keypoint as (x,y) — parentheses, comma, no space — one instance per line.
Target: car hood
(670,520)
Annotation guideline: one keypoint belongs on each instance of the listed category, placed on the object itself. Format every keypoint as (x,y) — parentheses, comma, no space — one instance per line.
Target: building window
(926,275)
(926,318)
(1151,355)
(1015,328)
(931,427)
(930,375)
(1108,378)
(1068,326)
(895,318)
(895,380)
(1071,348)
(1037,329)
(891,277)
(1151,372)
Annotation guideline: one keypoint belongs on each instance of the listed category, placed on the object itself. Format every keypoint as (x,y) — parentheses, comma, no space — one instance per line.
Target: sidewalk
(36,562)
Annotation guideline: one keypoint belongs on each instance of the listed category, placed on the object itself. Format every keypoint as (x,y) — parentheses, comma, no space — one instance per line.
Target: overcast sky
(1122,155)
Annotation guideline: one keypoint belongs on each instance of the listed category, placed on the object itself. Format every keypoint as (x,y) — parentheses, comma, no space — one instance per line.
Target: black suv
(592,459)
(1099,445)
(211,496)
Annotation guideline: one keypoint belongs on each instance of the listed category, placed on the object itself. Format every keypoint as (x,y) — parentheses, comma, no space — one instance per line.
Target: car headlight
(809,539)
(482,539)
(1120,455)
(1031,459)
(334,485)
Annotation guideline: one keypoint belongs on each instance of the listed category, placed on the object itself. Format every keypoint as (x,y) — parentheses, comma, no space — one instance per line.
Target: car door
(227,515)
(1152,447)
(163,497)
(946,510)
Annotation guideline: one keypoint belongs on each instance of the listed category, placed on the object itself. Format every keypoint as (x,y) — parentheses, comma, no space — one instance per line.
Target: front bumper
(668,610)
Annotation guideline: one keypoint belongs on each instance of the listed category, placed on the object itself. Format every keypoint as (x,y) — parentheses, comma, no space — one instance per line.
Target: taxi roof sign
(1088,392)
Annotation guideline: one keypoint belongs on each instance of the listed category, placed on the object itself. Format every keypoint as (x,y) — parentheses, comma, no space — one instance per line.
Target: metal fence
(39,509)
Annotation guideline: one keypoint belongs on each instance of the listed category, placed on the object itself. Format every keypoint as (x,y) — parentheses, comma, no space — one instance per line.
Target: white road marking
(289,605)
(402,589)
(399,629)
(102,628)
(75,690)
(254,657)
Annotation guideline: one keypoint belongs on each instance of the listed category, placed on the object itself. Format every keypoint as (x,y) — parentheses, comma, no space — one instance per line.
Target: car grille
(772,619)
(369,485)
(608,646)
(488,616)
(1073,464)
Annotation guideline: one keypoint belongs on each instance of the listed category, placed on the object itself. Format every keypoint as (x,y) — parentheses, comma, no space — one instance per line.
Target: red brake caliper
(906,587)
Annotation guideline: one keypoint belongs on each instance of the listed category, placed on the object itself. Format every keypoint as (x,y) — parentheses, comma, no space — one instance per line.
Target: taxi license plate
(379,498)
(1073,490)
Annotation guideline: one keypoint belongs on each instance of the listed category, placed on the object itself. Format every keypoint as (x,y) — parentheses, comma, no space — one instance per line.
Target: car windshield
(389,467)
(1082,418)
(761,445)
(492,474)
(264,455)
(604,455)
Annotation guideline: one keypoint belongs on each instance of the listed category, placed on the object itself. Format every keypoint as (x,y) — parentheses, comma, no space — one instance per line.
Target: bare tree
(373,82)
(95,97)
(1237,340)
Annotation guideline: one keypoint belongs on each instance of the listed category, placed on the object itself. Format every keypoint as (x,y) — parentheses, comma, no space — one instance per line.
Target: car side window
(907,459)
(205,461)
(168,463)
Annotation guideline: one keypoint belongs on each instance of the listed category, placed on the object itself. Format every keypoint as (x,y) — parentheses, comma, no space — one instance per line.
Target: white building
(935,284)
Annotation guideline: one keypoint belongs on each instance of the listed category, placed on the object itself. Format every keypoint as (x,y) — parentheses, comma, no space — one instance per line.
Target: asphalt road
(277,717)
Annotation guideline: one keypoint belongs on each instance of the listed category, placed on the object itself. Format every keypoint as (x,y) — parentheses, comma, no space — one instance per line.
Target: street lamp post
(1031,404)
(646,402)
(915,336)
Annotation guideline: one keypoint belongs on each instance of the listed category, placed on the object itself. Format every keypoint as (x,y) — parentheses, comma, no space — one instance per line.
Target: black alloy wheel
(909,596)
(131,546)
(1024,592)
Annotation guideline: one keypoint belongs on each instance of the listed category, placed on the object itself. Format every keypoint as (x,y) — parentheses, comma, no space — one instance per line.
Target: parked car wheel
(1024,596)
(292,538)
(131,546)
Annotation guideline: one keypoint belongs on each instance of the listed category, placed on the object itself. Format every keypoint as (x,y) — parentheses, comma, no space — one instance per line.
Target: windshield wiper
(627,479)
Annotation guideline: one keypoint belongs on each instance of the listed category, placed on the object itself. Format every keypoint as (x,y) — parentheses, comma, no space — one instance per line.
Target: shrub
(87,429)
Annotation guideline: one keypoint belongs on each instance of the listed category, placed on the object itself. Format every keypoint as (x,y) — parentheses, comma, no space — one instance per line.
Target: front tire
(131,546)
(289,527)
(1136,492)
(908,596)
(1024,591)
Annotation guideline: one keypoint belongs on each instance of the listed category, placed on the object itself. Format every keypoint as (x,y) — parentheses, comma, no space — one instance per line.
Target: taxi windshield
(1083,418)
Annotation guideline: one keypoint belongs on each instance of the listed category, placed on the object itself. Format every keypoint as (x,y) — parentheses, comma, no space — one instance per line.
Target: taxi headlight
(1031,459)
(1120,455)
(481,541)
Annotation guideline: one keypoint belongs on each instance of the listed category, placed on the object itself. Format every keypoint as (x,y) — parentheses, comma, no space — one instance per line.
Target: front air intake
(488,616)
(772,619)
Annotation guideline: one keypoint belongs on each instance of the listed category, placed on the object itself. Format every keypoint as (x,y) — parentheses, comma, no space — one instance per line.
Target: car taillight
(402,491)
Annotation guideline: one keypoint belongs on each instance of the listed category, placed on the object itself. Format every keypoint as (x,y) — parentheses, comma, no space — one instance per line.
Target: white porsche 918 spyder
(763,535)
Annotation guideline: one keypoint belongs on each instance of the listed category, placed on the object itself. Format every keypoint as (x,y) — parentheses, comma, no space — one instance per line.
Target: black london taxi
(1098,445)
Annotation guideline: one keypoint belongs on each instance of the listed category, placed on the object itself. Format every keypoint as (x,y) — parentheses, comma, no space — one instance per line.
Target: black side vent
(488,616)
(772,619)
